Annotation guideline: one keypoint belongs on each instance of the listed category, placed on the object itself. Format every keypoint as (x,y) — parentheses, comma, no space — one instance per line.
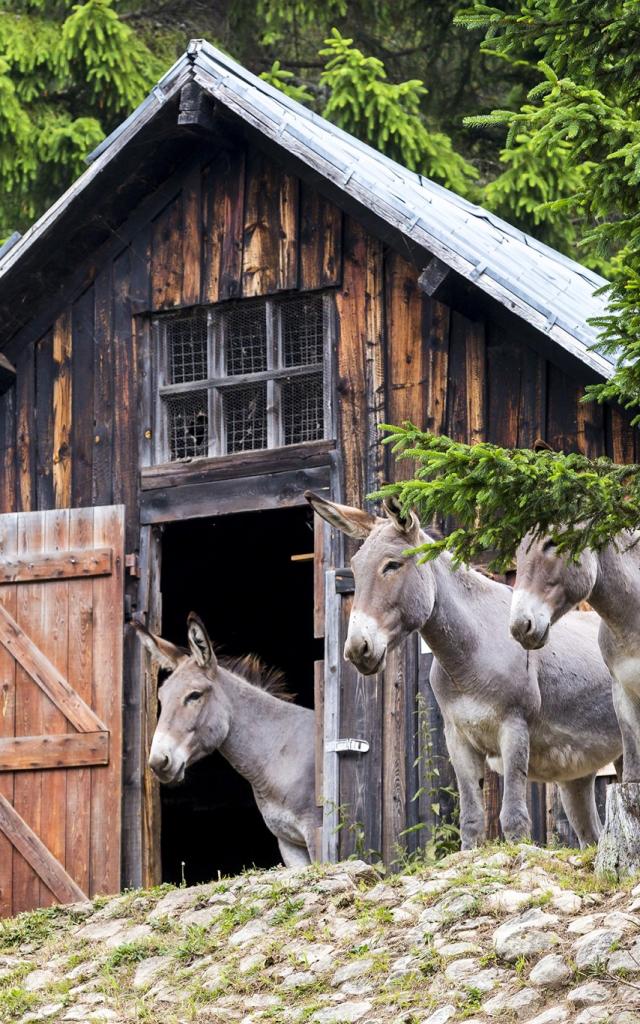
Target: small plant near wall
(445,831)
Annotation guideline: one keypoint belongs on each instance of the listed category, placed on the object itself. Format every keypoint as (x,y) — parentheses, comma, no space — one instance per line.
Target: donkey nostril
(528,626)
(365,647)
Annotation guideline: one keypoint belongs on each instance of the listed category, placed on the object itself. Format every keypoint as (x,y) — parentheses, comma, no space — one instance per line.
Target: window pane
(245,339)
(301,323)
(187,422)
(187,348)
(302,409)
(245,417)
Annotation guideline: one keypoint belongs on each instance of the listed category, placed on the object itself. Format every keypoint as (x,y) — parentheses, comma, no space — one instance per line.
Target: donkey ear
(355,522)
(199,643)
(166,654)
(406,523)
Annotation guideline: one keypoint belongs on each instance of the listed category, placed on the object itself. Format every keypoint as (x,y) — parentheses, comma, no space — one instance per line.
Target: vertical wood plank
(151,604)
(620,435)
(44,422)
(533,398)
(269,257)
(192,238)
(108,531)
(351,382)
(8,453)
(56,640)
(25,429)
(590,423)
(457,379)
(320,240)
(394,753)
(28,714)
(103,389)
(503,384)
(475,372)
(8,600)
(80,676)
(407,372)
(62,410)
(374,363)
(437,329)
(125,422)
(167,256)
(562,417)
(82,388)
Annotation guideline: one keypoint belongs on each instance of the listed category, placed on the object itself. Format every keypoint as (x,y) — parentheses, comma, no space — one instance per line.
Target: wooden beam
(46,675)
(227,467)
(219,497)
(56,565)
(7,374)
(55,750)
(45,865)
(435,279)
(197,108)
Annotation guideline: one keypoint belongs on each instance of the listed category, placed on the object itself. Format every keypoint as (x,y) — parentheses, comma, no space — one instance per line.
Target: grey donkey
(548,586)
(548,718)
(237,707)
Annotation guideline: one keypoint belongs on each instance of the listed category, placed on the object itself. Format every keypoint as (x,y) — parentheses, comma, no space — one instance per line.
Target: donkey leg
(468,765)
(292,855)
(579,802)
(627,707)
(514,749)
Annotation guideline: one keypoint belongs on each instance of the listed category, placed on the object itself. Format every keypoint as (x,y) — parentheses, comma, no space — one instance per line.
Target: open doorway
(244,576)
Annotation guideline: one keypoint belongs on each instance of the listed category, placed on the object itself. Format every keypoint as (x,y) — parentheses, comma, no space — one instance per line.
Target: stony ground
(502,934)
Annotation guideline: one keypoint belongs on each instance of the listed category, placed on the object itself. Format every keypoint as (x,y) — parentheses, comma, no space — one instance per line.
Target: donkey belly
(479,723)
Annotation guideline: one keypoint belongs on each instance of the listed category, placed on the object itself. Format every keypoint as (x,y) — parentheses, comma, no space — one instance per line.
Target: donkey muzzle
(366,644)
(530,620)
(168,766)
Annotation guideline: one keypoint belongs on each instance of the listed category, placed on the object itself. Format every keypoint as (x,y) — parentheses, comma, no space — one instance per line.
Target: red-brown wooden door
(61,624)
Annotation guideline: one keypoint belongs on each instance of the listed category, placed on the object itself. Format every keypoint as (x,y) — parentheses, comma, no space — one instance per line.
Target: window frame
(274,376)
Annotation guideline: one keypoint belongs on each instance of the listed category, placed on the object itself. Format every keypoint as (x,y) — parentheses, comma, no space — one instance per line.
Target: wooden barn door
(61,626)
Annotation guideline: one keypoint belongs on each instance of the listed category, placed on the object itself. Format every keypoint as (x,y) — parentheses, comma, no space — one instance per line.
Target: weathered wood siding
(76,427)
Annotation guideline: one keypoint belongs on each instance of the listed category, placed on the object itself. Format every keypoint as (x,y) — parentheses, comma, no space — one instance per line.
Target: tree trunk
(619,847)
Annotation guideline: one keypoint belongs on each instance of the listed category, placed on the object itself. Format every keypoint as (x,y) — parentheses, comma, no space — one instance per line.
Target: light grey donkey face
(547,587)
(393,596)
(188,726)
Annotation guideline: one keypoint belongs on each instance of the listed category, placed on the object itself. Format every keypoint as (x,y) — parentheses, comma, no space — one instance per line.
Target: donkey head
(548,585)
(392,596)
(192,720)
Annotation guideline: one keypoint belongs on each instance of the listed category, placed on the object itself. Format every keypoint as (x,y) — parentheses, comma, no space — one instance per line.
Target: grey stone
(520,1003)
(299,978)
(455,949)
(40,979)
(173,904)
(132,933)
(553,1015)
(593,1015)
(589,994)
(507,901)
(48,1010)
(354,969)
(593,948)
(567,903)
(344,1013)
(253,930)
(252,962)
(550,972)
(585,923)
(213,978)
(441,1016)
(627,960)
(202,918)
(147,971)
(526,935)
(99,931)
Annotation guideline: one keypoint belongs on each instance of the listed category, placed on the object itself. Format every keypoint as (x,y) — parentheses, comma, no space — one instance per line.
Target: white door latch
(347,746)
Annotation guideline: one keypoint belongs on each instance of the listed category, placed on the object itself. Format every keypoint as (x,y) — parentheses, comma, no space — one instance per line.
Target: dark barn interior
(237,572)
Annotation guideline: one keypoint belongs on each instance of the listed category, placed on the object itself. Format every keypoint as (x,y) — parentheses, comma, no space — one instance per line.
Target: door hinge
(347,746)
(132,562)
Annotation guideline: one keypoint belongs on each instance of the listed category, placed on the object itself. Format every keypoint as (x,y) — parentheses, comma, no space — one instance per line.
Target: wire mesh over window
(187,348)
(241,376)
(302,327)
(188,425)
(244,331)
(245,417)
(302,409)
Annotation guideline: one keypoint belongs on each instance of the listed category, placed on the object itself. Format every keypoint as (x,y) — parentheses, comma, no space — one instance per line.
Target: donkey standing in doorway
(548,717)
(548,586)
(240,708)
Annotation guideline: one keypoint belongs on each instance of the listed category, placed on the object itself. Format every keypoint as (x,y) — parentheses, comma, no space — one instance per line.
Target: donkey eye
(549,545)
(193,696)
(392,567)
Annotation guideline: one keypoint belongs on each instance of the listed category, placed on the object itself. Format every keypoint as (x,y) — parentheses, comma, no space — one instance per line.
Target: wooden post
(619,847)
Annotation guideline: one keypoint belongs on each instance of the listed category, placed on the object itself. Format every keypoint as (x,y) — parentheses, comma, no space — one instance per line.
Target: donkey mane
(253,670)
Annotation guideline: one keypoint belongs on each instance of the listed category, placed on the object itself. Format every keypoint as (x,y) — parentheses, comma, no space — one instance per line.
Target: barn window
(241,376)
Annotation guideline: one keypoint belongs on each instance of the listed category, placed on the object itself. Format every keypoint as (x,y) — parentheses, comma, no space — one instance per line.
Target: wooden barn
(216,316)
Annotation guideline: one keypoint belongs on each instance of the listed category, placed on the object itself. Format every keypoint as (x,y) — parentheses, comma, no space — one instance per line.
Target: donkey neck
(258,728)
(467,612)
(616,593)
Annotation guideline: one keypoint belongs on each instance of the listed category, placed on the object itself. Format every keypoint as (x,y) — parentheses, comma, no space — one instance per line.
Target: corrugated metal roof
(550,291)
